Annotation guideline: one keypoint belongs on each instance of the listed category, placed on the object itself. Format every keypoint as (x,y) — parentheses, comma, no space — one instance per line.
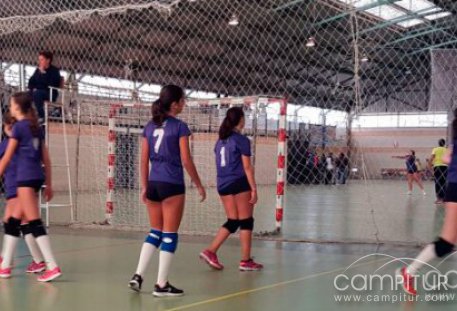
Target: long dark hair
(27,108)
(7,118)
(231,120)
(169,94)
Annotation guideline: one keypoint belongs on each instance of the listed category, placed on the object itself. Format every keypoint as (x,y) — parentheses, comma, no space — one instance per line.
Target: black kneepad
(231,225)
(37,228)
(443,247)
(12,227)
(247,224)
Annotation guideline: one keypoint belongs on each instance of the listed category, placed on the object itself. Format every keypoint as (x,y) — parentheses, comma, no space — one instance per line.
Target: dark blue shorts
(159,191)
(35,184)
(10,196)
(238,186)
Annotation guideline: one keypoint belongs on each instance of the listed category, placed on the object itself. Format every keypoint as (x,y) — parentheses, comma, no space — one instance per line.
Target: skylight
(386,12)
(415,5)
(411,23)
(360,3)
(438,15)
(405,13)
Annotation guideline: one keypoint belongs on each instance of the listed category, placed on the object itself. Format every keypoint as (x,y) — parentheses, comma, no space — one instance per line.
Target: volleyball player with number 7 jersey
(165,152)
(237,190)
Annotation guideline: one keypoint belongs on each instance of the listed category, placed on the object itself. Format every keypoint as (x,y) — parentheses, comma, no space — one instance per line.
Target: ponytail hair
(161,107)
(8,119)
(231,120)
(27,108)
(158,114)
(34,122)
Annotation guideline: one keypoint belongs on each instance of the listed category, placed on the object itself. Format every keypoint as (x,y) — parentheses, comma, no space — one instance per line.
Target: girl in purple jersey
(165,152)
(412,172)
(444,245)
(237,189)
(13,210)
(27,142)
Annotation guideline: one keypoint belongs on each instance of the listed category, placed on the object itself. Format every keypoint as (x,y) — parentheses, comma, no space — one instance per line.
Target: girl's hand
(48,193)
(253,197)
(202,192)
(143,195)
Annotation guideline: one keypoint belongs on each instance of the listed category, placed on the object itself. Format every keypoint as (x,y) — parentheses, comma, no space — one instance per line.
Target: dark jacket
(42,81)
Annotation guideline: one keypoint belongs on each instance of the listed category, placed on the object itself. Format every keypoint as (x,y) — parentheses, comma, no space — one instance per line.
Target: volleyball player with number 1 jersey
(237,190)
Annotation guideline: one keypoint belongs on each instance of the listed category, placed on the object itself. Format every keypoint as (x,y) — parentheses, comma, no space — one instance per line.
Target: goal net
(109,147)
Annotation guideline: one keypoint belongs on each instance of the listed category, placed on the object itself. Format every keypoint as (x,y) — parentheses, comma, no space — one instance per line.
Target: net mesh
(105,144)
(368,79)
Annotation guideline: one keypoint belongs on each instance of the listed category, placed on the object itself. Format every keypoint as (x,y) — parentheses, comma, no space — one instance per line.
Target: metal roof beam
(291,4)
(431,47)
(422,17)
(416,35)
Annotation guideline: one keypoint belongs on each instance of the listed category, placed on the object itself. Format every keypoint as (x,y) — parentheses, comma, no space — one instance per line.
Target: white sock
(33,248)
(45,246)
(427,255)
(164,267)
(9,246)
(147,250)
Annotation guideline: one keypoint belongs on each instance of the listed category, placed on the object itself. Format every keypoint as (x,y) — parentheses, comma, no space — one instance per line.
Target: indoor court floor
(98,264)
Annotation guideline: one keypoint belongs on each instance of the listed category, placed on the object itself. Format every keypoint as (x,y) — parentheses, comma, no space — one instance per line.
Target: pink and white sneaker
(250,265)
(1,260)
(34,267)
(211,259)
(407,281)
(5,273)
(50,275)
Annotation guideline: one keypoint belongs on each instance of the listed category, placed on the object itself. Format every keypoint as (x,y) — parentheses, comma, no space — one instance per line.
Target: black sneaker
(167,291)
(135,282)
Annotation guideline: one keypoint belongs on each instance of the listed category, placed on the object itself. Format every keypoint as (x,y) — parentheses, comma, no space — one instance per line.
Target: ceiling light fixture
(311,42)
(234,20)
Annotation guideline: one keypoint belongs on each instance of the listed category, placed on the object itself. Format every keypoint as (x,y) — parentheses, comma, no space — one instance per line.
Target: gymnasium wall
(378,145)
